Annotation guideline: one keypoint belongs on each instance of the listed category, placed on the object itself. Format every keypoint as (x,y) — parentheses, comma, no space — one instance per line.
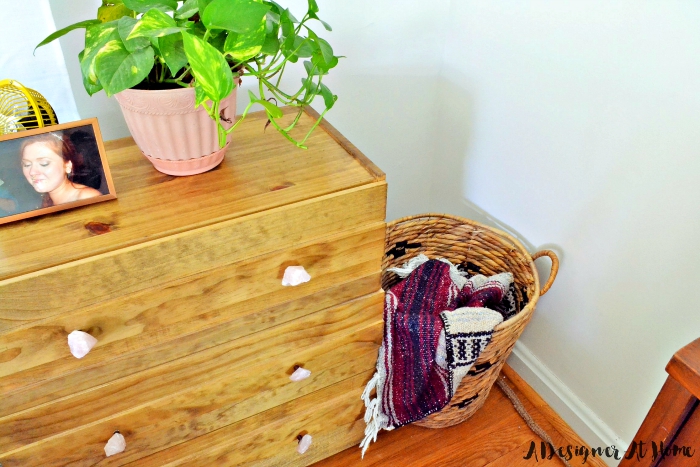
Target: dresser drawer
(63,289)
(332,416)
(136,323)
(199,393)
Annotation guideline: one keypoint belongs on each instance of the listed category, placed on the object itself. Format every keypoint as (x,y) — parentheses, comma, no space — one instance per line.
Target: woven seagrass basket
(479,249)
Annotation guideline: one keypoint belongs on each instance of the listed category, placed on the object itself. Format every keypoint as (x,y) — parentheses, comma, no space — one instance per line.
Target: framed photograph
(52,169)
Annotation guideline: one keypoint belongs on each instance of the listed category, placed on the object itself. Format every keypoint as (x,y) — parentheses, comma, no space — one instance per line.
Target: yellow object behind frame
(22,108)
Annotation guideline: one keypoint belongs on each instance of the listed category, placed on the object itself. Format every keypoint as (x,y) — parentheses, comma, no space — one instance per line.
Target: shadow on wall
(388,116)
(455,139)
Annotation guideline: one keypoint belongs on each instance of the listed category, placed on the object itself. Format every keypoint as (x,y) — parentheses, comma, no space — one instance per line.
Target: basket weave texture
(488,251)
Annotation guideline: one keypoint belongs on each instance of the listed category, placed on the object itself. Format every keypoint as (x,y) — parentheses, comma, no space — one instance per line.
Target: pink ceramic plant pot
(177,138)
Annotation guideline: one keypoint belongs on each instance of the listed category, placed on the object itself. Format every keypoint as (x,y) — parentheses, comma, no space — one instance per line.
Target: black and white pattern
(467,333)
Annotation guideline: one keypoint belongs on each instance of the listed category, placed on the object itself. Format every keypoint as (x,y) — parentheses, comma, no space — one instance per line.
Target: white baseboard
(563,401)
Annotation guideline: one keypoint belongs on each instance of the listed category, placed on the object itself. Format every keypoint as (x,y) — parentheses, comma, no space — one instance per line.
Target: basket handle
(554,270)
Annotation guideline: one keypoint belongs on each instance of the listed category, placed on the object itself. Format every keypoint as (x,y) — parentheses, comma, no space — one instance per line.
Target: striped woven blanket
(435,327)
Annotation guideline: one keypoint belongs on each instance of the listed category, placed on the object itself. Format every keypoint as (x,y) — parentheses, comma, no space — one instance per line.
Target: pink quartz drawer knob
(299,373)
(80,343)
(115,445)
(295,275)
(304,443)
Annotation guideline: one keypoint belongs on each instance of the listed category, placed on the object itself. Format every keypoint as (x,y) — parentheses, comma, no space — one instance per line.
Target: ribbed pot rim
(155,92)
(159,101)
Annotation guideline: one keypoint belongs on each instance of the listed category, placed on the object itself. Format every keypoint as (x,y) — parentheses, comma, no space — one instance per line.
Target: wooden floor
(495,436)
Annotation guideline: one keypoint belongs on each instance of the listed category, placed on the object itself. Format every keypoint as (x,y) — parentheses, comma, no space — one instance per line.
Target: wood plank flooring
(495,436)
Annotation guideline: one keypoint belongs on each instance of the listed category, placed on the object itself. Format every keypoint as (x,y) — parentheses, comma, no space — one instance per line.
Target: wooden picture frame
(52,169)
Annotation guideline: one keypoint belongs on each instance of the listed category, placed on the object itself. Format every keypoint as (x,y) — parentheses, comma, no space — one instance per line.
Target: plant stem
(296,119)
(313,127)
(177,81)
(243,115)
(271,72)
(219,127)
(184,73)
(276,91)
(163,70)
(286,135)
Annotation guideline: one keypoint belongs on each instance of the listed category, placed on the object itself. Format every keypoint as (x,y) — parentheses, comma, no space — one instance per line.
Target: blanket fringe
(411,265)
(372,415)
(457,276)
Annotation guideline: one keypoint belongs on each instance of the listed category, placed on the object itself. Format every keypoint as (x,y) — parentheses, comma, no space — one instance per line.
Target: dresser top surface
(261,171)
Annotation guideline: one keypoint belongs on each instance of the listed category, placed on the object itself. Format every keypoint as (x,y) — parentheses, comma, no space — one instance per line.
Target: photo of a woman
(49,163)
(51,169)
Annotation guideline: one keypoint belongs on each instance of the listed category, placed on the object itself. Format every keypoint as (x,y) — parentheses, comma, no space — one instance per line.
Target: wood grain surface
(684,367)
(200,393)
(550,421)
(33,387)
(133,322)
(107,276)
(261,171)
(332,416)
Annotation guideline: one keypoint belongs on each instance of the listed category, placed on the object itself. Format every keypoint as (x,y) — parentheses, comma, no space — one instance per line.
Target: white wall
(109,116)
(577,123)
(45,71)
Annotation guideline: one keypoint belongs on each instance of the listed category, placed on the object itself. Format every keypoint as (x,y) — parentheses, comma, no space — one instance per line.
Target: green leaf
(187,10)
(303,47)
(295,47)
(272,110)
(203,4)
(95,37)
(272,20)
(271,44)
(198,29)
(67,29)
(287,23)
(326,49)
(313,7)
(274,6)
(210,69)
(328,97)
(322,65)
(172,49)
(325,25)
(219,41)
(142,6)
(154,23)
(291,16)
(114,11)
(242,47)
(241,16)
(199,96)
(312,70)
(91,88)
(311,88)
(118,69)
(125,26)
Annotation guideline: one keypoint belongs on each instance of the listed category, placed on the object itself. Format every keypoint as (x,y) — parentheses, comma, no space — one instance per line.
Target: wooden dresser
(670,432)
(179,279)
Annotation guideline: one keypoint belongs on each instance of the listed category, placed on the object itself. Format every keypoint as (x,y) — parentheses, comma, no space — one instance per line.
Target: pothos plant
(208,45)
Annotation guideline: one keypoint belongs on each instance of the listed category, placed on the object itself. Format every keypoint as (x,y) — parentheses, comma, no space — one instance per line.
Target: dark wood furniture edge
(684,367)
(663,421)
(347,145)
(673,406)
(549,414)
